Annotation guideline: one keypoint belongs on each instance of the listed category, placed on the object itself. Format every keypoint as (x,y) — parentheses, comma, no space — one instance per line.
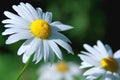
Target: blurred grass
(10,66)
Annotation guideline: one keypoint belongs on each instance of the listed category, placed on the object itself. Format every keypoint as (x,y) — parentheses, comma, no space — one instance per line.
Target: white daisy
(59,71)
(101,61)
(43,36)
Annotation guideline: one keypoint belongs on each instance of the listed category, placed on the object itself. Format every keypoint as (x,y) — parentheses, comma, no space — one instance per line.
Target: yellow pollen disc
(62,67)
(110,64)
(40,28)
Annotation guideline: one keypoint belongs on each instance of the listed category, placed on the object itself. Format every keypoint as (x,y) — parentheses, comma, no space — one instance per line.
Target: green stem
(23,69)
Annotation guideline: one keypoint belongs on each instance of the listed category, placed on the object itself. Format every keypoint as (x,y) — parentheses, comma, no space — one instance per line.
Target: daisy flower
(59,71)
(42,35)
(101,62)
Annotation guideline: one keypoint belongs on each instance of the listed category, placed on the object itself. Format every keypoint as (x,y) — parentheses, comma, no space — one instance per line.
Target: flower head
(101,61)
(59,71)
(42,35)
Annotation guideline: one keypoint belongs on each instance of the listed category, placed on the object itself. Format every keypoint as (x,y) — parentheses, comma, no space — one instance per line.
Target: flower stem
(24,68)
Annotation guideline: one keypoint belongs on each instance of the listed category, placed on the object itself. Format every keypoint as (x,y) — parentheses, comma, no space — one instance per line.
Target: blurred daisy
(101,61)
(59,71)
(42,35)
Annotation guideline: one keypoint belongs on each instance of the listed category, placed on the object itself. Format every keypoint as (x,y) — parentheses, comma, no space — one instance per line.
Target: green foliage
(11,65)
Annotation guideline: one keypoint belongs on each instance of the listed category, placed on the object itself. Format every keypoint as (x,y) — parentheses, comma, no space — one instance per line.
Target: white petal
(26,13)
(86,53)
(16,23)
(13,30)
(102,48)
(26,10)
(15,17)
(24,46)
(60,26)
(108,76)
(57,35)
(94,73)
(25,58)
(91,77)
(91,50)
(11,15)
(100,52)
(33,47)
(32,11)
(89,60)
(40,13)
(39,53)
(109,50)
(9,26)
(96,70)
(94,53)
(117,54)
(16,37)
(54,29)
(85,65)
(43,16)
(35,56)
(48,17)
(56,49)
(16,26)
(22,13)
(94,56)
(51,56)
(64,45)
(46,50)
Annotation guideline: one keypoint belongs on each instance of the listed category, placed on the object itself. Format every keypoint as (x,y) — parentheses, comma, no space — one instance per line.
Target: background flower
(60,71)
(101,62)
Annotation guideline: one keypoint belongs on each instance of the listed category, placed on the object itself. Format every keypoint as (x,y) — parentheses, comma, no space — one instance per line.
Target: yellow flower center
(40,28)
(62,67)
(109,64)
